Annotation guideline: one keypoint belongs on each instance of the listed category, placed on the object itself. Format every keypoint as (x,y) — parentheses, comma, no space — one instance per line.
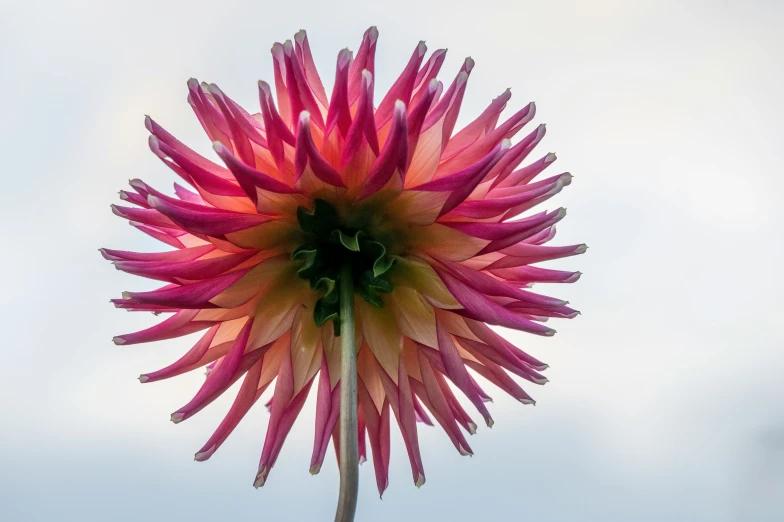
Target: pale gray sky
(665,395)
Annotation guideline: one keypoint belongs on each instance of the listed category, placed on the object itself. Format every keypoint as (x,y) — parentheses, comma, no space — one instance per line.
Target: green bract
(329,245)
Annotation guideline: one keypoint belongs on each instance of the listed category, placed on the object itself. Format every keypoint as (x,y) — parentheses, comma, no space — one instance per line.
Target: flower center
(329,246)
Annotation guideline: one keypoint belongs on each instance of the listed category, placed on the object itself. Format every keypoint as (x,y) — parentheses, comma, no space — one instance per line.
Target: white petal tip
(581,249)
(118,340)
(362,460)
(261,477)
(177,417)
(472,428)
(204,455)
(315,468)
(551,157)
(217,146)
(420,481)
(528,402)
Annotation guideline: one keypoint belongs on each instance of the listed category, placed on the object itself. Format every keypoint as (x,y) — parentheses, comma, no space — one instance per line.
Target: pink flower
(425,219)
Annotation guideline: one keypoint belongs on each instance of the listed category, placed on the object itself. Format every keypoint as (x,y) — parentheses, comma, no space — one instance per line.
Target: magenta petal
(504,347)
(209,181)
(179,324)
(401,401)
(300,95)
(188,361)
(174,144)
(339,113)
(176,256)
(188,196)
(490,286)
(211,222)
(477,128)
(492,207)
(481,308)
(427,74)
(249,393)
(218,380)
(527,173)
(307,153)
(327,412)
(305,58)
(416,117)
(249,178)
(393,157)
(194,295)
(364,61)
(363,126)
(439,405)
(377,426)
(525,254)
(532,274)
(402,88)
(186,270)
(456,370)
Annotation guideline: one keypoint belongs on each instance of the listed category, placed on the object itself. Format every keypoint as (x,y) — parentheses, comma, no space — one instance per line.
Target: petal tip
(261,477)
(118,340)
(201,456)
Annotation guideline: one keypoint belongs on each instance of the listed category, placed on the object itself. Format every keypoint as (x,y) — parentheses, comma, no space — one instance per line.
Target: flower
(426,220)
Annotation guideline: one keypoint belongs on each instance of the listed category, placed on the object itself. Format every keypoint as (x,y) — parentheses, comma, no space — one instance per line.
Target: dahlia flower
(358,247)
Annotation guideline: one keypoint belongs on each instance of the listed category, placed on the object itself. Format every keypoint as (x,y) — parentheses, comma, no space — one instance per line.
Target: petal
(483,309)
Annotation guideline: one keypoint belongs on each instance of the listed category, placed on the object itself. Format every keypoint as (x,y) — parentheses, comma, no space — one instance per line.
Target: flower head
(426,219)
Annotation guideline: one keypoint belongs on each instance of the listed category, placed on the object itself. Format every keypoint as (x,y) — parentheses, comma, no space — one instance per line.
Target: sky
(665,395)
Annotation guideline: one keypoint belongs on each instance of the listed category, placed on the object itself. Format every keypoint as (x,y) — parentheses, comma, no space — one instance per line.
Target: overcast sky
(665,395)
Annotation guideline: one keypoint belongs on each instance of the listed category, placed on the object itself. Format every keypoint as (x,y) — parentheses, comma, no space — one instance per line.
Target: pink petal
(233,365)
(393,156)
(483,309)
(247,396)
(402,88)
(211,222)
(194,295)
(364,61)
(305,58)
(308,154)
(339,114)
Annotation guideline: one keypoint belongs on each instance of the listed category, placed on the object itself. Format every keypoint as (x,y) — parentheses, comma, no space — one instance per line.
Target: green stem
(349,442)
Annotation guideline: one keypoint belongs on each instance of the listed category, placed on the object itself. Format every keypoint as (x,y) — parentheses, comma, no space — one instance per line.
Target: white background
(665,395)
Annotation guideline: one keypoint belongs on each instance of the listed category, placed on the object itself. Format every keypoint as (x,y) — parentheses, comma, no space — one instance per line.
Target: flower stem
(349,442)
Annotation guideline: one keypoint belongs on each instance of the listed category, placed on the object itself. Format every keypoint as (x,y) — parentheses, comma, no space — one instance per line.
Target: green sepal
(329,244)
(350,242)
(329,285)
(382,263)
(311,265)
(324,312)
(370,287)
(321,222)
